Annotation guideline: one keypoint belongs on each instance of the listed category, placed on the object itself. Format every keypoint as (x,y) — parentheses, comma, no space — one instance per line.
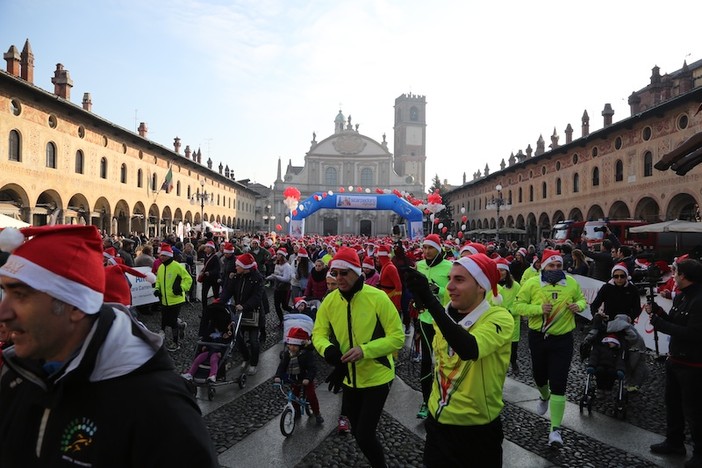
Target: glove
(157,293)
(418,284)
(585,350)
(590,370)
(333,355)
(177,289)
(434,288)
(620,375)
(337,376)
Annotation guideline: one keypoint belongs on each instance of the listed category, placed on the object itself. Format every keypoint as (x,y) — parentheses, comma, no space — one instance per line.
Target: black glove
(419,286)
(177,289)
(332,355)
(157,293)
(337,376)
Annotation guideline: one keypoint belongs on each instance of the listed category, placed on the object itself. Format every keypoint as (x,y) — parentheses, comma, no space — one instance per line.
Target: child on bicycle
(297,367)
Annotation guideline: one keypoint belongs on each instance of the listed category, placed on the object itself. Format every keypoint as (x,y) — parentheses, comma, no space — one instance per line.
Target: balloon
(330,192)
(436,220)
(350,188)
(444,229)
(367,190)
(294,212)
(441,225)
(278,227)
(463,227)
(287,219)
(464,218)
(431,216)
(379,191)
(324,194)
(359,189)
(342,189)
(460,234)
(449,237)
(463,209)
(301,207)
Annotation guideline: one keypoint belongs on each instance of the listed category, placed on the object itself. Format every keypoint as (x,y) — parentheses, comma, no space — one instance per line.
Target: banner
(297,228)
(358,202)
(142,290)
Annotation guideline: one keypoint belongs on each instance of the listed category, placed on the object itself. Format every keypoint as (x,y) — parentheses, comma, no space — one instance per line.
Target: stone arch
(557,217)
(531,228)
(544,224)
(595,212)
(178,216)
(188,218)
(682,206)
(576,215)
(154,220)
(619,210)
(166,225)
(14,202)
(101,217)
(519,223)
(123,218)
(510,221)
(139,218)
(77,211)
(648,209)
(48,209)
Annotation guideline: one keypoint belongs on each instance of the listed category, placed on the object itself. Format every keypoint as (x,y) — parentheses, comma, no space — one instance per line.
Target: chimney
(87,102)
(62,82)
(221,167)
(554,140)
(209,163)
(199,156)
(187,151)
(143,130)
(607,114)
(569,134)
(12,57)
(176,145)
(634,103)
(540,146)
(585,122)
(27,62)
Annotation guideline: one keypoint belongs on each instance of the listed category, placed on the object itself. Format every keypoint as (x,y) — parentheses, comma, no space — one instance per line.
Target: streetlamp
(268,219)
(498,202)
(203,197)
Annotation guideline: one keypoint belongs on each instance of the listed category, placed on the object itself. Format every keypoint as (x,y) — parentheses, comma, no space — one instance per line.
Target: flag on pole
(168,181)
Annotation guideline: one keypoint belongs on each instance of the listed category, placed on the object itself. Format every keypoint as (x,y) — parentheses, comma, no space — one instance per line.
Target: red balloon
(426,211)
(460,234)
(437,220)
(278,227)
(379,190)
(464,218)
(444,229)
(324,194)
(359,189)
(342,189)
(294,212)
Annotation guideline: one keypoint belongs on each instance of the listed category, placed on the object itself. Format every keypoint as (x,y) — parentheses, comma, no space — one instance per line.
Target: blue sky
(249,81)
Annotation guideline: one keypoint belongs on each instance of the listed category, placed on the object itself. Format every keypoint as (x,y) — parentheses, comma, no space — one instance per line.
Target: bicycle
(288,416)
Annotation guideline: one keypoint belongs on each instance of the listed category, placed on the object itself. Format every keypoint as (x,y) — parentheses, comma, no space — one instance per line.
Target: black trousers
(457,446)
(550,359)
(425,369)
(683,402)
(169,318)
(363,406)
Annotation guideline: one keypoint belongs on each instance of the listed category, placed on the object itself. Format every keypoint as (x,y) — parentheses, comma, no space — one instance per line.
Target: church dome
(340,117)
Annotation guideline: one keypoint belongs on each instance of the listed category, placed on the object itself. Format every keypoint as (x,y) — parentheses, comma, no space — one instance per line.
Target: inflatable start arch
(343,201)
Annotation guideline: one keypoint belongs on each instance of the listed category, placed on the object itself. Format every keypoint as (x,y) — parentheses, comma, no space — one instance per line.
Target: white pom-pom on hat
(10,239)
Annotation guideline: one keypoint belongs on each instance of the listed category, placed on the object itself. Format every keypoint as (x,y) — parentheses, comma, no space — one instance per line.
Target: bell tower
(410,137)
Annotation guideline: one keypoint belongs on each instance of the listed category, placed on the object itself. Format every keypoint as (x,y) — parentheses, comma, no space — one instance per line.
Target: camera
(647,279)
(600,229)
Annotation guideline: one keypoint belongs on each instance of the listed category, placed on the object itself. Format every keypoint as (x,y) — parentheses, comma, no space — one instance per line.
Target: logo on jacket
(78,435)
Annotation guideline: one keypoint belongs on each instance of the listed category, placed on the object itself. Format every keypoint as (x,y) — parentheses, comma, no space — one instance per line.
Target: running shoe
(554,438)
(541,407)
(423,411)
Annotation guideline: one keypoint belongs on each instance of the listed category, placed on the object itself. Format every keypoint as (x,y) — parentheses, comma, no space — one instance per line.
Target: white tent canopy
(8,221)
(669,226)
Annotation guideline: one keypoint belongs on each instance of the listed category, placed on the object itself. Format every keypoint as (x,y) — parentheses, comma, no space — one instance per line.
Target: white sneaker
(187,376)
(555,439)
(252,370)
(212,379)
(243,366)
(541,407)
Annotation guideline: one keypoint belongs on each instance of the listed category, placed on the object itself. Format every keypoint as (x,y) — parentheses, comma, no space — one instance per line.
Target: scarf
(294,367)
(552,276)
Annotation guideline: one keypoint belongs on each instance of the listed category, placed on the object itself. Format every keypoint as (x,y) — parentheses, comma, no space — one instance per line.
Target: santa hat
(346,258)
(611,339)
(211,245)
(297,336)
(246,261)
(433,240)
(383,251)
(112,257)
(63,261)
(117,288)
(228,247)
(282,251)
(550,256)
(620,266)
(502,263)
(166,250)
(299,301)
(302,253)
(369,263)
(642,263)
(484,270)
(523,251)
(680,258)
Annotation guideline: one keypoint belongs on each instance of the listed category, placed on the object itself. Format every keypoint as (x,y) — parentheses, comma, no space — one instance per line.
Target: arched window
(576,183)
(531,193)
(103,168)
(80,162)
(414,114)
(544,190)
(123,173)
(14,154)
(366,177)
(140,178)
(51,155)
(330,177)
(558,186)
(596,177)
(648,164)
(520,198)
(619,170)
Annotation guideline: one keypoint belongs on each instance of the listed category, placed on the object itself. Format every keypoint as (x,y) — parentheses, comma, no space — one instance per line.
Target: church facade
(349,161)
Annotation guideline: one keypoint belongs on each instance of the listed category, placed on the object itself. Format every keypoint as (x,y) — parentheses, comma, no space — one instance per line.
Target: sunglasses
(336,273)
(618,276)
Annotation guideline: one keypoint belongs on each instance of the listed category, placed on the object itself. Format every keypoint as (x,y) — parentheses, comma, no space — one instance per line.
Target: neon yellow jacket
(508,298)
(437,274)
(534,293)
(368,308)
(166,276)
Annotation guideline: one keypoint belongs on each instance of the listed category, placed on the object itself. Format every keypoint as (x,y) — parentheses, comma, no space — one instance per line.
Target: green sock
(545,392)
(557,407)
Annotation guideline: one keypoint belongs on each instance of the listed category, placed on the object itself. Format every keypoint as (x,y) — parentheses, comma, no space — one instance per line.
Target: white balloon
(287,219)
(367,190)
(330,192)
(449,237)
(387,190)
(301,207)
(431,216)
(463,209)
(441,225)
(463,227)
(350,188)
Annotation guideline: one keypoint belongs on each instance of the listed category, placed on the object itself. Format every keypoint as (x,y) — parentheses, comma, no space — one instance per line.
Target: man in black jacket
(683,370)
(68,386)
(604,261)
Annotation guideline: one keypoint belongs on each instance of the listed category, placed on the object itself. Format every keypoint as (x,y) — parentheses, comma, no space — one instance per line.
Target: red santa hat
(522,251)
(346,258)
(383,251)
(502,263)
(282,251)
(642,263)
(166,250)
(297,336)
(246,261)
(484,270)
(550,256)
(433,240)
(211,245)
(117,287)
(302,253)
(369,263)
(620,266)
(681,258)
(298,301)
(63,261)
(611,338)
(228,247)
(112,256)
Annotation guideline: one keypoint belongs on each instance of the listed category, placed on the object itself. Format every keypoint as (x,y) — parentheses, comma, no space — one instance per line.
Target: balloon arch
(346,201)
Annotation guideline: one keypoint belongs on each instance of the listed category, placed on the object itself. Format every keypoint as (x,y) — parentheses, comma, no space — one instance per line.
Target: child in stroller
(218,342)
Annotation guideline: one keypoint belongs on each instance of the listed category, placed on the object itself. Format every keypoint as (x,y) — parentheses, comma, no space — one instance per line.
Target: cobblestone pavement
(245,414)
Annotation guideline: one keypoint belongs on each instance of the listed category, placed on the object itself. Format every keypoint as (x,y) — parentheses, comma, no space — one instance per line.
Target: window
(558,186)
(509,198)
(618,143)
(596,177)
(414,115)
(575,159)
(648,164)
(519,198)
(366,177)
(14,154)
(330,177)
(531,193)
(594,151)
(123,173)
(140,178)
(103,168)
(646,134)
(51,155)
(558,165)
(178,188)
(190,194)
(544,190)
(80,162)
(15,107)
(154,183)
(53,121)
(682,122)
(576,183)
(543,170)
(619,170)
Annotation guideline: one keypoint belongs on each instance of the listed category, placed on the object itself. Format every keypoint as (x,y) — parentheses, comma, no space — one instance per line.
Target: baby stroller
(605,371)
(296,320)
(221,318)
